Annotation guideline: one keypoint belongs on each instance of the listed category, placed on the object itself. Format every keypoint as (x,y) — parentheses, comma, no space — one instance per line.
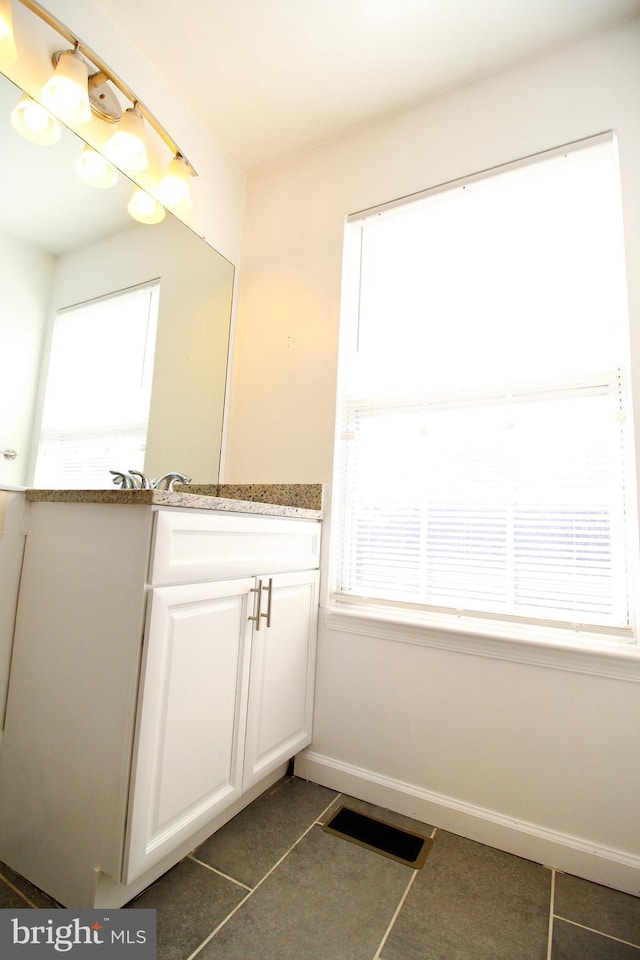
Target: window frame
(47,436)
(599,650)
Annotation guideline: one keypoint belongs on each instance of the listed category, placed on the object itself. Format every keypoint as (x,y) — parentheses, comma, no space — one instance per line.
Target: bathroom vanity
(162,677)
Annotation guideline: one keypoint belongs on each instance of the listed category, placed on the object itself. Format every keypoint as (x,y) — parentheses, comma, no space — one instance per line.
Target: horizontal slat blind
(73,459)
(510,505)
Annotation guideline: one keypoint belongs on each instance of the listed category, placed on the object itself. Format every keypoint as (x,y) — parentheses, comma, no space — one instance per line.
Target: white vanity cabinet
(162,671)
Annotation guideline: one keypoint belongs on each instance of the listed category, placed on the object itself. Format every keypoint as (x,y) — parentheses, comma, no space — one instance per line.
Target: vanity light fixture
(95,169)
(82,85)
(144,208)
(66,93)
(174,190)
(8,51)
(34,123)
(126,146)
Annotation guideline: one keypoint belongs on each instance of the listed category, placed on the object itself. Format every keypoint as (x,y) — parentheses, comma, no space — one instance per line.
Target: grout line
(222,923)
(404,896)
(19,892)
(552,898)
(600,933)
(257,886)
(318,819)
(226,876)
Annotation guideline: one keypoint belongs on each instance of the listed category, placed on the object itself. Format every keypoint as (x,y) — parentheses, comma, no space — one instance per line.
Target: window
(483,460)
(98,391)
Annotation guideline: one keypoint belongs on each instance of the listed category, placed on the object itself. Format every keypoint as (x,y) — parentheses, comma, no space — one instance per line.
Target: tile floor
(272,885)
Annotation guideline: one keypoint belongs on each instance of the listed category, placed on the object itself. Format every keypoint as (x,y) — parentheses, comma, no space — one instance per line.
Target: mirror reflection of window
(98,390)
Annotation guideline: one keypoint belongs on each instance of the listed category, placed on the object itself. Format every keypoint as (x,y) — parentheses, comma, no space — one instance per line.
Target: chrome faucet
(135,480)
(169,479)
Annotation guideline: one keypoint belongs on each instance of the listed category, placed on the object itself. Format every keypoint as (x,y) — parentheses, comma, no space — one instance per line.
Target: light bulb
(34,123)
(126,147)
(174,190)
(8,52)
(144,208)
(95,169)
(66,92)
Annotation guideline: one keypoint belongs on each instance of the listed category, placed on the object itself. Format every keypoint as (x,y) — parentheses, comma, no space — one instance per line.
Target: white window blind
(98,391)
(482,462)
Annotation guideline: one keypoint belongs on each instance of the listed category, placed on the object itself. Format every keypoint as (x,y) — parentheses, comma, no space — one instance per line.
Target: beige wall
(540,758)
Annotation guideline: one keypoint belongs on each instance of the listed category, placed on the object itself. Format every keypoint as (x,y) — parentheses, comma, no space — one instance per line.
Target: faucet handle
(124,480)
(142,482)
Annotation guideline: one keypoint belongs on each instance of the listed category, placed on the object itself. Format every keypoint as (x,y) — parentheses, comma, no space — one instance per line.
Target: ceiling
(271,77)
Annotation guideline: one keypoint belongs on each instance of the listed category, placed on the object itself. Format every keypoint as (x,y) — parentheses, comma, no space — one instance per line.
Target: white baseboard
(569,854)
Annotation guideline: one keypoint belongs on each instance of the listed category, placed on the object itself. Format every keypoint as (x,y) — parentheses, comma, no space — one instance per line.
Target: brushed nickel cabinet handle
(267,615)
(257,615)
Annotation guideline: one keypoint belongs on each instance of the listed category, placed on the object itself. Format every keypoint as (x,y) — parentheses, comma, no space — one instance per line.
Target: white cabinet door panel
(188,765)
(282,675)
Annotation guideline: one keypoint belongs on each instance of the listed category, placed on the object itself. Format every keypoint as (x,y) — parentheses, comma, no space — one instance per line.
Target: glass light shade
(95,169)
(66,92)
(8,52)
(174,189)
(34,123)
(126,147)
(144,208)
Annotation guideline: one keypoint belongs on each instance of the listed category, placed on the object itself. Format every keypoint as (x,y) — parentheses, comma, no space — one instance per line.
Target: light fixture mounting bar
(108,74)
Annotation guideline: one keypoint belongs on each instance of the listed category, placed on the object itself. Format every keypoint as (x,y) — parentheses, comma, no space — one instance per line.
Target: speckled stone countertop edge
(193,501)
(308,496)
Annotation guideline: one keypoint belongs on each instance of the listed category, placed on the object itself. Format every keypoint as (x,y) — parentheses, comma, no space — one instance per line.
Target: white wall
(539,760)
(26,276)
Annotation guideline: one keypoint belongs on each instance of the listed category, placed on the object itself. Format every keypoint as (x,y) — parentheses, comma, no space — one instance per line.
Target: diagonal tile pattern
(272,885)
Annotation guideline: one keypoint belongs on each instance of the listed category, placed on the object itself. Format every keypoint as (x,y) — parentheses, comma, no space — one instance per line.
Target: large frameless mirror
(64,243)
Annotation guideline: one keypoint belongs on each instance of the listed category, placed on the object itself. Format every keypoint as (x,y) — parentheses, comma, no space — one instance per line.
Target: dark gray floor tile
(600,908)
(328,900)
(190,901)
(471,902)
(33,896)
(9,899)
(576,943)
(387,816)
(248,846)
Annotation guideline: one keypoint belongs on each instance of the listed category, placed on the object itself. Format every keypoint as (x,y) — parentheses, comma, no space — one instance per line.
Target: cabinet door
(187,763)
(281,673)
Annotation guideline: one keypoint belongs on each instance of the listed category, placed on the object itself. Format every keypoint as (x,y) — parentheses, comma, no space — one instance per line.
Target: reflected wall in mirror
(63,242)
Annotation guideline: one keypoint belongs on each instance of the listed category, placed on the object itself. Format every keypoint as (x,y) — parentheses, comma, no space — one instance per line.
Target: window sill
(591,654)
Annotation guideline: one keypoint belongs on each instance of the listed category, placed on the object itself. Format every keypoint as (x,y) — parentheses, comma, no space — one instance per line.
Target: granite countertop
(274,500)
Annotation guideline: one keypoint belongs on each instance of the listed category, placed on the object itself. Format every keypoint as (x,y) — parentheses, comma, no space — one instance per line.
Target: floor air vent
(402,845)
